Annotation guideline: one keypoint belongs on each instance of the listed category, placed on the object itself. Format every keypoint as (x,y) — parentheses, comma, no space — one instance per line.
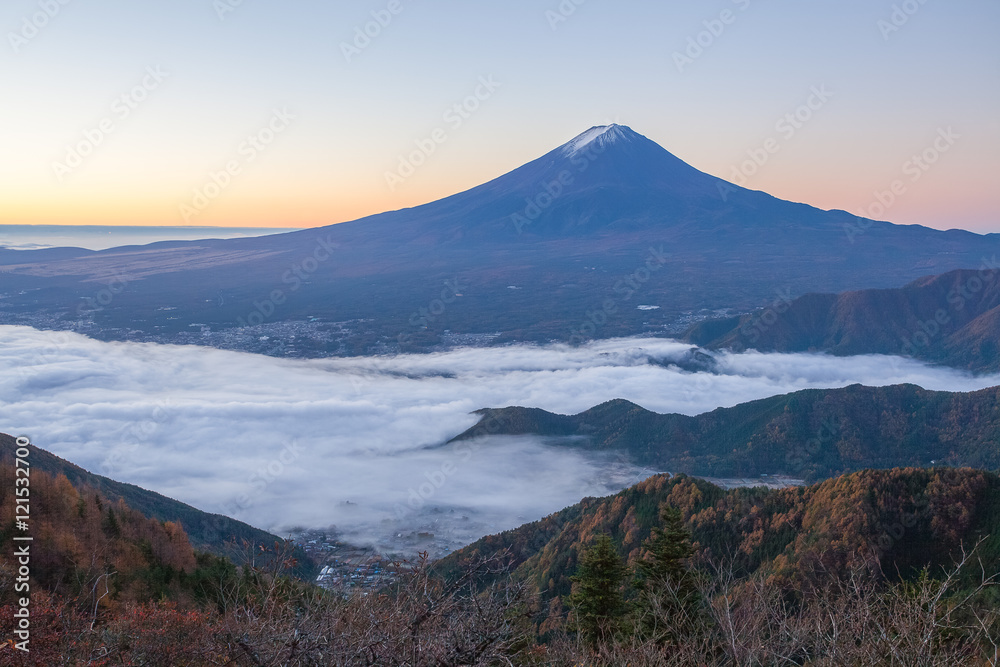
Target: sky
(287,114)
(281,443)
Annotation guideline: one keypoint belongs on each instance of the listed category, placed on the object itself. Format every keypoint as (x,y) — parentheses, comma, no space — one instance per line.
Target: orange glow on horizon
(313,203)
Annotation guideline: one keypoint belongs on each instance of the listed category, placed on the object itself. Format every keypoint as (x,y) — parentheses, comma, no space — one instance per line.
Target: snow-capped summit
(610,199)
(600,135)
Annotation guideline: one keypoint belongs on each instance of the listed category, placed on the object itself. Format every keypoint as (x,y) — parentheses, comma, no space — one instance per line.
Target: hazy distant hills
(565,247)
(952,319)
(811,434)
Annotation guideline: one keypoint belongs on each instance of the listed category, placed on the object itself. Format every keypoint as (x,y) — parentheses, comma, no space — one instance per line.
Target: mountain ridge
(564,229)
(953,318)
(209,532)
(811,434)
(888,522)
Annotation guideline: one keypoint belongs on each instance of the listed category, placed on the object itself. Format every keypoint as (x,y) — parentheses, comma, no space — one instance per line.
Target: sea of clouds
(359,442)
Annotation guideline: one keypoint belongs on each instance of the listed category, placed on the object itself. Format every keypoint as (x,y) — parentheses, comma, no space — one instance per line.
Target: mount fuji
(608,234)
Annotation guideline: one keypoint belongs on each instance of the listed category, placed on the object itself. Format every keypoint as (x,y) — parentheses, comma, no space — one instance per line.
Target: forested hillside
(812,434)
(951,319)
(208,532)
(888,524)
(854,570)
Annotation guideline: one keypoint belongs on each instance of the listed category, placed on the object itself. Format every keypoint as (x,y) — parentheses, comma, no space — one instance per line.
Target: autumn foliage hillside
(113,587)
(98,565)
(79,537)
(890,523)
(207,532)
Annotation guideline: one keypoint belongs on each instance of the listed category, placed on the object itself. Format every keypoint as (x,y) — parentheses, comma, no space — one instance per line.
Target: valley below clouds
(360,443)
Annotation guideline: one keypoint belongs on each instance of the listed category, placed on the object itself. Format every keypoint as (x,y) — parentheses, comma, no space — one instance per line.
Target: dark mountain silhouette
(585,233)
(812,434)
(953,319)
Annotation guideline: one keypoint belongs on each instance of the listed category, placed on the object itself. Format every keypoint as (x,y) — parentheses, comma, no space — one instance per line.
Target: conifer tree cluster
(661,602)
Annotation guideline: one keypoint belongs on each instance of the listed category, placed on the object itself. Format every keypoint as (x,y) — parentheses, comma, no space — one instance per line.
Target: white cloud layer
(356,442)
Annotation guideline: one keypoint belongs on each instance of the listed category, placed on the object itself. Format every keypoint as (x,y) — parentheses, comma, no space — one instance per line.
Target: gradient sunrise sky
(119,111)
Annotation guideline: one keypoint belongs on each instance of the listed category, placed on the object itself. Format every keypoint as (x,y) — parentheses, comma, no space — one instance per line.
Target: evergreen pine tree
(669,600)
(111,527)
(597,599)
